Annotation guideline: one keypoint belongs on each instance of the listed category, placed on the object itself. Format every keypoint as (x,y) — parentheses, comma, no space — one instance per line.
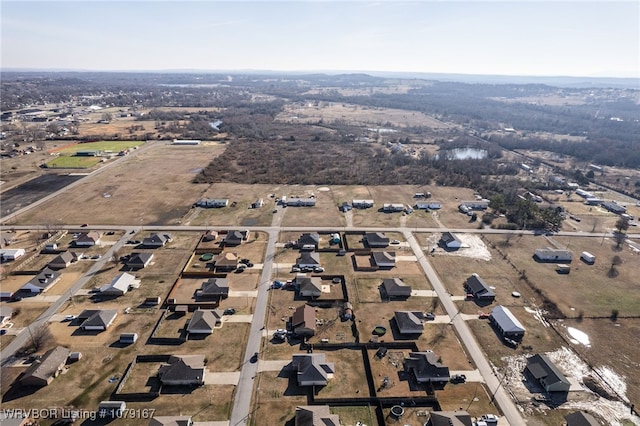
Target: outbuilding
(588,257)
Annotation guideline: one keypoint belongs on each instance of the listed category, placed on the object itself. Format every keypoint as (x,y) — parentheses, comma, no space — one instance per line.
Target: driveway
(221,378)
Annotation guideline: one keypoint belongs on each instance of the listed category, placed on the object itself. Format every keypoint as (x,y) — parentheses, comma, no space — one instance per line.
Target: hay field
(152,187)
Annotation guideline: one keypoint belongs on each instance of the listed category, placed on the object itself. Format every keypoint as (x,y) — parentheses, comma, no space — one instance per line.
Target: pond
(463,154)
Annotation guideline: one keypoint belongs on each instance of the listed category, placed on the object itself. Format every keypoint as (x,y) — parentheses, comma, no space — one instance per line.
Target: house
(235,238)
(303,321)
(384,259)
(409,322)
(481,204)
(614,207)
(8,255)
(580,418)
(308,260)
(257,204)
(308,286)
(315,415)
(214,288)
(204,321)
(479,288)
(156,240)
(553,255)
(312,369)
(547,374)
(301,202)
(139,260)
(119,285)
(185,142)
(97,320)
(428,205)
(50,248)
(395,287)
(450,241)
(183,370)
(41,282)
(128,338)
(171,421)
(42,371)
(362,204)
(506,323)
(425,367)
(62,260)
(225,262)
(215,203)
(87,239)
(449,418)
(308,241)
(393,207)
(111,409)
(376,240)
(6,312)
(345,207)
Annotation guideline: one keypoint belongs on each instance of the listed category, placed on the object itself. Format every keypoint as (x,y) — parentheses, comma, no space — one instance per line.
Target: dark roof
(97,318)
(44,278)
(478,287)
(409,322)
(448,237)
(63,259)
(214,287)
(304,316)
(541,367)
(450,418)
(309,238)
(376,238)
(235,237)
(316,415)
(183,368)
(383,257)
(308,258)
(312,367)
(426,367)
(396,287)
(139,258)
(203,320)
(580,418)
(506,320)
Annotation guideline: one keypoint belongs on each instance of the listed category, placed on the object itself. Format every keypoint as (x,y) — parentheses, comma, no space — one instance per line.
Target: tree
(39,337)
(497,203)
(622,224)
(613,271)
(107,116)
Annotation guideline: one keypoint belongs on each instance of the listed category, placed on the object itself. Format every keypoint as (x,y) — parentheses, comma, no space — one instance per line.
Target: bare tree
(39,337)
(613,271)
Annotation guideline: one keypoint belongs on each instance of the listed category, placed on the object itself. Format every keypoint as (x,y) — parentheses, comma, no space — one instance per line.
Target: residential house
(506,323)
(312,369)
(547,374)
(396,288)
(50,248)
(41,282)
(234,237)
(301,202)
(308,286)
(303,321)
(308,241)
(409,322)
(156,240)
(62,260)
(171,421)
(450,241)
(425,367)
(97,320)
(393,207)
(315,415)
(139,260)
(362,204)
(479,288)
(376,240)
(384,259)
(111,409)
(204,321)
(257,204)
(308,260)
(214,288)
(87,239)
(183,370)
(449,418)
(482,204)
(553,255)
(42,371)
(119,285)
(6,312)
(225,262)
(214,203)
(614,207)
(8,255)
(580,418)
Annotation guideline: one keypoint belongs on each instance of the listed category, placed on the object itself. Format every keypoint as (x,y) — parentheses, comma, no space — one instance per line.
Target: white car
(69,317)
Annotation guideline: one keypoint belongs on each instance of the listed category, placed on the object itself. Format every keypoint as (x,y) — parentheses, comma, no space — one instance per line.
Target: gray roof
(45,278)
(183,368)
(376,238)
(506,320)
(426,367)
(305,284)
(541,367)
(448,237)
(214,287)
(396,287)
(97,318)
(580,418)
(315,415)
(312,367)
(63,259)
(203,320)
(308,258)
(384,257)
(409,322)
(137,259)
(450,418)
(309,238)
(479,288)
(46,367)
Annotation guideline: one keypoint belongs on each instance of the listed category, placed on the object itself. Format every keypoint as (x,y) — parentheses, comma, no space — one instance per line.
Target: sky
(507,37)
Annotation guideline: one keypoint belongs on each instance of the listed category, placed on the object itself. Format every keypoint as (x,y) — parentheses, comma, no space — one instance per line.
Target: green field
(68,162)
(114,146)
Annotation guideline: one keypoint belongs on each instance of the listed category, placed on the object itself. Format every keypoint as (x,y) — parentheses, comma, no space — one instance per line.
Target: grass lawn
(114,146)
(72,162)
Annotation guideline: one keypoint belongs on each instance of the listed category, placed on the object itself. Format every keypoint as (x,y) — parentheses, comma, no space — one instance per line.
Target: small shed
(563,268)
(588,257)
(152,301)
(128,338)
(74,357)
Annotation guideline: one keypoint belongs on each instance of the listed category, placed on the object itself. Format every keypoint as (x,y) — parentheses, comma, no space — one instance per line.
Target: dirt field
(167,196)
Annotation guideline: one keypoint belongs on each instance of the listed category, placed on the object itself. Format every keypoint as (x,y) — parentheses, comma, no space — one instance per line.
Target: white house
(11,254)
(362,204)
(553,255)
(450,241)
(120,284)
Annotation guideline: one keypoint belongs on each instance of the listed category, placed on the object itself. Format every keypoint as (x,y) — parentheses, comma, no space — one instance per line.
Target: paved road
(8,351)
(502,399)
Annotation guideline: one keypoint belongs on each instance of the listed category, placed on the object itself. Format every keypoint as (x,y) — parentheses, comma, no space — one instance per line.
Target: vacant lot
(160,176)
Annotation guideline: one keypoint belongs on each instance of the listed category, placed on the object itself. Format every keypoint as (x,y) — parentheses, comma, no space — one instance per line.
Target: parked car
(295,269)
(318,269)
(458,378)
(254,358)
(84,225)
(229,311)
(69,317)
(483,315)
(245,261)
(395,242)
(429,316)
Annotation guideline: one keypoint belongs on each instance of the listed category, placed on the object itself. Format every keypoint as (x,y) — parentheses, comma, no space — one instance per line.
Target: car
(254,358)
(3,331)
(342,252)
(318,269)
(395,242)
(483,315)
(240,270)
(295,269)
(245,261)
(458,378)
(275,211)
(515,294)
(249,264)
(69,317)
(96,256)
(429,316)
(229,311)
(84,225)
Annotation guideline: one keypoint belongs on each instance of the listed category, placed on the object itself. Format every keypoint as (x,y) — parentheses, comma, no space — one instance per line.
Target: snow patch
(537,314)
(579,336)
